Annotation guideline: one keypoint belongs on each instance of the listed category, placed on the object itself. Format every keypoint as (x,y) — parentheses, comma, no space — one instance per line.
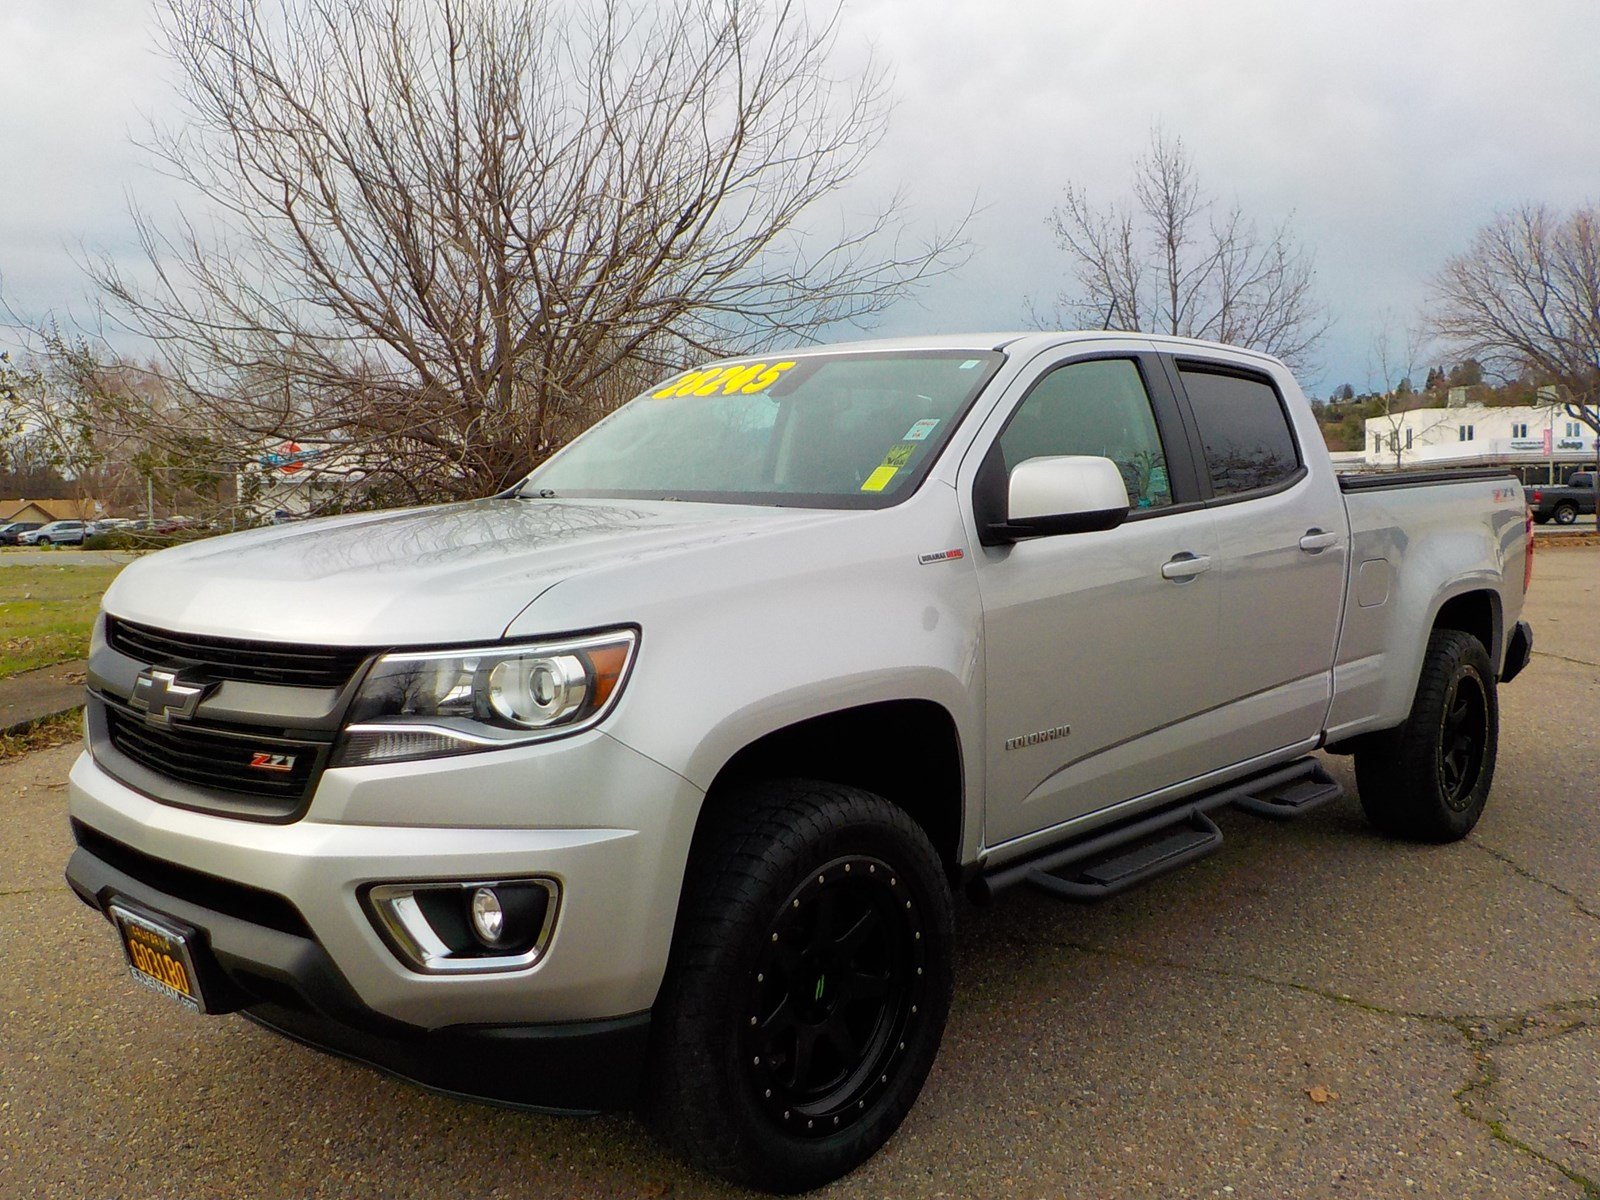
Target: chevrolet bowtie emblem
(161,695)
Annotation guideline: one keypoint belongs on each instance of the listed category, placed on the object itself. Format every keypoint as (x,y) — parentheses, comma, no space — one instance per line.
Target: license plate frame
(159,955)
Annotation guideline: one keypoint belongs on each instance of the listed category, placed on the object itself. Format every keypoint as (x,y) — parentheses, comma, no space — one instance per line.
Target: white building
(1469,434)
(291,479)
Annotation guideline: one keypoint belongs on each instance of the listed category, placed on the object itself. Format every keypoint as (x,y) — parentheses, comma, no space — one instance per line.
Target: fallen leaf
(1320,1094)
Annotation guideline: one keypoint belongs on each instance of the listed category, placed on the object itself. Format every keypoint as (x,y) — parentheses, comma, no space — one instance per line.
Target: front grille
(235,659)
(219,761)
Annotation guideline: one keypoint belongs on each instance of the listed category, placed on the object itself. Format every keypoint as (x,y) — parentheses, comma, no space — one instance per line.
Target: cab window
(1099,407)
(1243,428)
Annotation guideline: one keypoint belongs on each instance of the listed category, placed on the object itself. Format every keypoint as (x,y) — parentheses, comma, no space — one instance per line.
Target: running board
(1116,859)
(1284,801)
(1130,865)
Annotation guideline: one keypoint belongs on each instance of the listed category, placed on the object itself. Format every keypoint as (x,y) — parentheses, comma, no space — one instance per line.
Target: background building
(45,511)
(289,480)
(1541,443)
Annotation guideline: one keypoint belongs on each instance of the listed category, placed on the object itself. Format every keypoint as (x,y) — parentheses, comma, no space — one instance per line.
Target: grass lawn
(46,612)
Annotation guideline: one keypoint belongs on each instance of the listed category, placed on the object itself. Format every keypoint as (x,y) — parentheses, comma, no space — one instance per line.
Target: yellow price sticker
(879,479)
(897,457)
(746,380)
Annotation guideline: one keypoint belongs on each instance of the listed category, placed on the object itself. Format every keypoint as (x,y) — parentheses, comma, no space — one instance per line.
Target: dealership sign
(288,458)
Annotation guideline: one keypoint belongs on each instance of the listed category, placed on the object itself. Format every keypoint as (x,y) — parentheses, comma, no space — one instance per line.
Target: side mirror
(1069,493)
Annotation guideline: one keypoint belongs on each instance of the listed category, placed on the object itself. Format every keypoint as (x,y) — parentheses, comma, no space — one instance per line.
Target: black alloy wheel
(836,986)
(1462,740)
(808,987)
(1429,778)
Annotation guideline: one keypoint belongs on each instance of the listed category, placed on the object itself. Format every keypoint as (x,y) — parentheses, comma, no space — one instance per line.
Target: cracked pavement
(1313,1011)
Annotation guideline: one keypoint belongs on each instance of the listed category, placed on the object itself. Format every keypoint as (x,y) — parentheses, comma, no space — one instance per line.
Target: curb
(1550,541)
(39,695)
(22,727)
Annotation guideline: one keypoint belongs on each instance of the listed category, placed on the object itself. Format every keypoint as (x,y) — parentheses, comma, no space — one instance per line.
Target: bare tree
(1174,261)
(447,235)
(112,430)
(1393,361)
(1525,300)
(45,421)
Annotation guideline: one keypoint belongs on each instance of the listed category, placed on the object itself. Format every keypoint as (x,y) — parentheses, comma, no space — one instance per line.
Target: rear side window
(1244,430)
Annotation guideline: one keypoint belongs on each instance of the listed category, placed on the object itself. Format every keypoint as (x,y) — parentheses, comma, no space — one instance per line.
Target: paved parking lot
(1311,1012)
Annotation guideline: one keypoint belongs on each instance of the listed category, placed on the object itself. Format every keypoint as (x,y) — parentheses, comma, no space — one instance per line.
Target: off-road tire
(1428,779)
(768,887)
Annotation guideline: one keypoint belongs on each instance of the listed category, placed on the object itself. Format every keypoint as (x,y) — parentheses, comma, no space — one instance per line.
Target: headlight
(431,703)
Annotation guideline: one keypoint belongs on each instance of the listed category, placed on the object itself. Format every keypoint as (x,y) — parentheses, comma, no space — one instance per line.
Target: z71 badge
(272,762)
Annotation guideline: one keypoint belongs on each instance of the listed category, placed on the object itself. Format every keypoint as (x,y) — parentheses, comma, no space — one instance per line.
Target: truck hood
(455,573)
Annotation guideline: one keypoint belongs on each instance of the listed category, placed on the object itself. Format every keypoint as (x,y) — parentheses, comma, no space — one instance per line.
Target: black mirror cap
(1002,532)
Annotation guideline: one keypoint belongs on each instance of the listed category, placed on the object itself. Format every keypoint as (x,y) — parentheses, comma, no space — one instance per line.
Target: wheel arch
(1476,612)
(907,751)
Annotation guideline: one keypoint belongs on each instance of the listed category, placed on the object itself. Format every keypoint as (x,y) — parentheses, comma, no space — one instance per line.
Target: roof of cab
(1024,341)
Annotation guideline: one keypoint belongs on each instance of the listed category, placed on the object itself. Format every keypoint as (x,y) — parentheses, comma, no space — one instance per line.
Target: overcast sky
(1390,129)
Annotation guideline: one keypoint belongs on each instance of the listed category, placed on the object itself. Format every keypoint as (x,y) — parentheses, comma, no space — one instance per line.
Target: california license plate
(158,957)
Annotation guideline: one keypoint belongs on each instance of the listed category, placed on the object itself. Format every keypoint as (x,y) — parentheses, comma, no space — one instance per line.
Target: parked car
(11,535)
(56,533)
(1563,503)
(653,781)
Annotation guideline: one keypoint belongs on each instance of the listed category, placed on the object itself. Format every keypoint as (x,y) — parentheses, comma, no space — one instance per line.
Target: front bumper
(283,979)
(284,935)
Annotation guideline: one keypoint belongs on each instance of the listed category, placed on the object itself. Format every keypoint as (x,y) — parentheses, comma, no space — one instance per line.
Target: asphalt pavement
(1313,1011)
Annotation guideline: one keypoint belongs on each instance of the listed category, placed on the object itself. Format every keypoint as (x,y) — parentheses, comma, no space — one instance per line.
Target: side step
(1281,801)
(1130,865)
(1147,846)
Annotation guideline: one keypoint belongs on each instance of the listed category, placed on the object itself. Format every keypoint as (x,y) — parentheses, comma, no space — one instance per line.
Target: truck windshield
(815,430)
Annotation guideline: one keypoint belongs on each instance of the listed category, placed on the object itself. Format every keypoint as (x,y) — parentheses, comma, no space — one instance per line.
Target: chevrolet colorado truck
(651,781)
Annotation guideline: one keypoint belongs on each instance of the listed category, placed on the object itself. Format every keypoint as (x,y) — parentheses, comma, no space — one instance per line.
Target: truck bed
(1374,481)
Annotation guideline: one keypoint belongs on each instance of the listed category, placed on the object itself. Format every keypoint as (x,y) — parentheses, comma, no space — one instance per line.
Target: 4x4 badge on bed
(161,695)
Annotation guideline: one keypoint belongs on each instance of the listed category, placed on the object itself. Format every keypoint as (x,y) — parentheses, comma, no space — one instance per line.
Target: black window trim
(1174,365)
(1166,407)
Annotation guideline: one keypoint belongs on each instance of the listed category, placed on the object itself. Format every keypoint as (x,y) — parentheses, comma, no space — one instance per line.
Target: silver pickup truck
(651,781)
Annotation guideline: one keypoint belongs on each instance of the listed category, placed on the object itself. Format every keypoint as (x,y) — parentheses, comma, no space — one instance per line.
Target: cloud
(1389,131)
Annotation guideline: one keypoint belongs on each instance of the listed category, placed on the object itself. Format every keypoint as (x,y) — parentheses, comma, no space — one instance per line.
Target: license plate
(158,957)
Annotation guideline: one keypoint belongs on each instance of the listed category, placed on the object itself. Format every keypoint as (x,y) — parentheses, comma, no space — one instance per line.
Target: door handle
(1184,565)
(1317,540)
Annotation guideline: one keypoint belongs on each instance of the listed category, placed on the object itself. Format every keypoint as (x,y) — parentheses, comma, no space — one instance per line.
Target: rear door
(1283,539)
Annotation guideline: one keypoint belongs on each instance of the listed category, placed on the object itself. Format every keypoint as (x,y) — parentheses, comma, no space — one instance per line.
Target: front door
(1099,647)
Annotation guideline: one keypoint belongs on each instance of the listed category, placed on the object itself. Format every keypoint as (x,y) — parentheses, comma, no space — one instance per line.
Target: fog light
(474,925)
(488,918)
